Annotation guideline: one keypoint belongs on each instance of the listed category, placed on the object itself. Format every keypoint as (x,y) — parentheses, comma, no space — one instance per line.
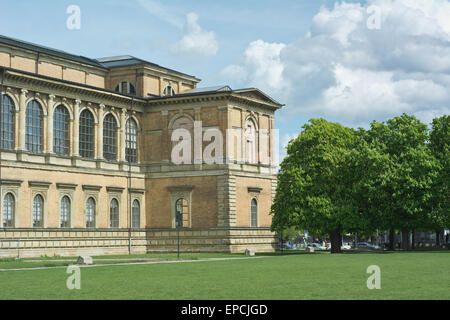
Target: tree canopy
(336,179)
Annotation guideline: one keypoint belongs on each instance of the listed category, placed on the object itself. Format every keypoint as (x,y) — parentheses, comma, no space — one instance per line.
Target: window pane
(34,127)
(87,135)
(38,212)
(136,214)
(110,138)
(61,131)
(254,213)
(131,141)
(7,123)
(90,213)
(65,212)
(8,211)
(114,213)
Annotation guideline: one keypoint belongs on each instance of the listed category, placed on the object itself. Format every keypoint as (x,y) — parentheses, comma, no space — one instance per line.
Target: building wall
(202,198)
(218,194)
(244,197)
(51,66)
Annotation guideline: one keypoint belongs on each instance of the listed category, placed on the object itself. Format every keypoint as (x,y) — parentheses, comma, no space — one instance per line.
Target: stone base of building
(31,243)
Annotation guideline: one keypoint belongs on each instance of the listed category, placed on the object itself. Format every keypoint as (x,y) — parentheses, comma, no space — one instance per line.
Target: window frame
(8,123)
(67,214)
(34,127)
(90,224)
(87,135)
(39,214)
(114,213)
(131,141)
(254,213)
(110,141)
(9,211)
(61,146)
(135,214)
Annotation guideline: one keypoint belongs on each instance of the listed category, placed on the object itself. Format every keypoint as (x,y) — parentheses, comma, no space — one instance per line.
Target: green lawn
(404,275)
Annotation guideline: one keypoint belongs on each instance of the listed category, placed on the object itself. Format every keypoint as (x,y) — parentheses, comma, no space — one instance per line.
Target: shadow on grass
(353,251)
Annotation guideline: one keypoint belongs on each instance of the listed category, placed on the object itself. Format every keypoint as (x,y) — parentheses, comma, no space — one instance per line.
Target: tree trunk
(438,238)
(335,238)
(405,239)
(391,240)
(413,244)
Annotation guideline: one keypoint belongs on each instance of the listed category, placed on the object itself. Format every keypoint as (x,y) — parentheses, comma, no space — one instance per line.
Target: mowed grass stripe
(403,276)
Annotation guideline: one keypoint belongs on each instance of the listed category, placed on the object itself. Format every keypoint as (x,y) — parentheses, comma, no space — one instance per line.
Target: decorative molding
(115,189)
(11,182)
(254,189)
(91,187)
(136,190)
(41,184)
(180,188)
(66,186)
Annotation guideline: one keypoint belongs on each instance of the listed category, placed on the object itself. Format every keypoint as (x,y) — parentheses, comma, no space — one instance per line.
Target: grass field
(404,275)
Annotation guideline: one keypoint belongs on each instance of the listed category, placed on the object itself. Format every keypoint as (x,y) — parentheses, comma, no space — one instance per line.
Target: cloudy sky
(346,61)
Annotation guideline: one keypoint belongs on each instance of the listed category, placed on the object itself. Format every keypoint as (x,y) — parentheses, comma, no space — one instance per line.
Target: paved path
(133,263)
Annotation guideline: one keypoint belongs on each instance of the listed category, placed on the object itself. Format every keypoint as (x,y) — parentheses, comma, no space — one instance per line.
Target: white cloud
(261,67)
(196,40)
(344,71)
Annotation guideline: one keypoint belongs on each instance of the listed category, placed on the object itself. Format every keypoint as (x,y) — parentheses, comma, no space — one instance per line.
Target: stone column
(50,103)
(76,128)
(101,111)
(22,118)
(166,143)
(197,137)
(123,120)
(271,142)
(226,200)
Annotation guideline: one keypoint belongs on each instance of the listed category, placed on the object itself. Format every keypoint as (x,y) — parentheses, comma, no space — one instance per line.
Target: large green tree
(439,213)
(314,189)
(398,188)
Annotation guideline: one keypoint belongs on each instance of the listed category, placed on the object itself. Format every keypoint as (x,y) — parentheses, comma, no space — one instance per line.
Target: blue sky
(319,57)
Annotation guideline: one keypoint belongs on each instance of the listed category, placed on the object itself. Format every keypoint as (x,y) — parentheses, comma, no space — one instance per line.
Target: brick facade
(217,195)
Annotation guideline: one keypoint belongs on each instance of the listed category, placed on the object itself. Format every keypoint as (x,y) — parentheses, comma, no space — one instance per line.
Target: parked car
(366,245)
(317,246)
(343,247)
(286,246)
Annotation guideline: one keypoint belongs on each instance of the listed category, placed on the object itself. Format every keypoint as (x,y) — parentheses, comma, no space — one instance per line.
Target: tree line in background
(393,176)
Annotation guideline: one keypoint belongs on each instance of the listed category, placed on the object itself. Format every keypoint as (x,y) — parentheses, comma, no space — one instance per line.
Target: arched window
(9,210)
(136,214)
(8,123)
(38,212)
(34,127)
(182,214)
(90,213)
(110,138)
(250,141)
(131,146)
(61,131)
(125,87)
(87,134)
(114,213)
(254,213)
(65,212)
(168,91)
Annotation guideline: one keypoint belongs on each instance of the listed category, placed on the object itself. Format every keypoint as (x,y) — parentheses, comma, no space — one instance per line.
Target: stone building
(87,149)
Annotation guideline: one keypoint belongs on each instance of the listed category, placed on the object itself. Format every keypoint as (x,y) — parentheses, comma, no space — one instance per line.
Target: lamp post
(179,220)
